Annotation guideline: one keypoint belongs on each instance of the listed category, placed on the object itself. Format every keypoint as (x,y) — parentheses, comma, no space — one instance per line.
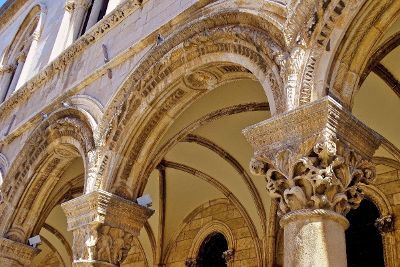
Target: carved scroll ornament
(327,178)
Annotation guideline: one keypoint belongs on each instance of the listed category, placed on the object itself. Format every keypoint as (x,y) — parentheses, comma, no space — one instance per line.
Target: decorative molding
(300,128)
(16,253)
(69,55)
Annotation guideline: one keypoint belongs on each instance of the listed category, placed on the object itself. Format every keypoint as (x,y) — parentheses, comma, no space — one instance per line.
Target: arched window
(19,52)
(211,251)
(363,240)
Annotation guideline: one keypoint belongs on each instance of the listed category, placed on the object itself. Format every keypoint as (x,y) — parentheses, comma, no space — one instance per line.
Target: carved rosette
(314,157)
(103,226)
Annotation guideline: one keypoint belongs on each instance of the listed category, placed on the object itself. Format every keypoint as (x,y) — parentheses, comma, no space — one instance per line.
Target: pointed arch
(149,99)
(64,136)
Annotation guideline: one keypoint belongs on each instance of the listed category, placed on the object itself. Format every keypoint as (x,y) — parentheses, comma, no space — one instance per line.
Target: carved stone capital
(69,6)
(21,57)
(228,255)
(314,157)
(16,254)
(103,227)
(7,69)
(385,224)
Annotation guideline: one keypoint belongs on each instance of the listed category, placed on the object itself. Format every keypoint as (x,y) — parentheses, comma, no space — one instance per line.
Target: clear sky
(2,2)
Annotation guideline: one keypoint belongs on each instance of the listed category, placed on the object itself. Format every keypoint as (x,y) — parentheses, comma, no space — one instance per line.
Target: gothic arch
(378,198)
(149,99)
(64,136)
(206,228)
(17,59)
(353,55)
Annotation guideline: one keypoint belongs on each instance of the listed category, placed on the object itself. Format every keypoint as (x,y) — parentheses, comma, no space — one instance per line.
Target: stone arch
(148,101)
(351,58)
(30,25)
(223,217)
(205,231)
(18,57)
(64,136)
(378,198)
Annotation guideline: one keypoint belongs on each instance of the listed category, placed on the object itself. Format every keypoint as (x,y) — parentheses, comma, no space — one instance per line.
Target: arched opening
(56,240)
(211,251)
(363,240)
(19,52)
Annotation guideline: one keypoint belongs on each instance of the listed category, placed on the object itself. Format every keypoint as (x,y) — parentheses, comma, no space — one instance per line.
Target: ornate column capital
(21,57)
(314,157)
(13,253)
(70,5)
(103,226)
(385,224)
(6,69)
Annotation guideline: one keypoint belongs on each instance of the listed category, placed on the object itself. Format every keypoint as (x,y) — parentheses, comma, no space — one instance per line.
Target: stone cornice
(69,55)
(322,117)
(106,208)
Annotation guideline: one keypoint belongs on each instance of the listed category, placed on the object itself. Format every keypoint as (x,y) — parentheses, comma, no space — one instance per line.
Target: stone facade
(102,102)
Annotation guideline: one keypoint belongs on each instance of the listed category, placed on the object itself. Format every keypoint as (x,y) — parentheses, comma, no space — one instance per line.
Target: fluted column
(5,79)
(103,227)
(314,159)
(14,254)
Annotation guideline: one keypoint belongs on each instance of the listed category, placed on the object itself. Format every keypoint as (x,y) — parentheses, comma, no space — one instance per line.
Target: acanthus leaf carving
(326,178)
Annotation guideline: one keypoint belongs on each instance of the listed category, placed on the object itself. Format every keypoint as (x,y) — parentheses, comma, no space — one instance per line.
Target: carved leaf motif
(324,179)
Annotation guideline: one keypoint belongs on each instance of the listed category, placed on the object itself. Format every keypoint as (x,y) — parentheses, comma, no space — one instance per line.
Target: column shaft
(314,238)
(5,79)
(94,14)
(17,74)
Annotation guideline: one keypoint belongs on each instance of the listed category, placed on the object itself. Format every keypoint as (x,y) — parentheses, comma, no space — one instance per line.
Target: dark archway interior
(210,254)
(363,240)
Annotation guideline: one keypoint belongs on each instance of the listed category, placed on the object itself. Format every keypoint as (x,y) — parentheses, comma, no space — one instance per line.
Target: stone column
(5,79)
(80,9)
(103,227)
(18,69)
(15,254)
(94,13)
(314,159)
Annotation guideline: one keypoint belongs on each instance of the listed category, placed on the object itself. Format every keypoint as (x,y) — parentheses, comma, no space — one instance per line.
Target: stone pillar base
(314,238)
